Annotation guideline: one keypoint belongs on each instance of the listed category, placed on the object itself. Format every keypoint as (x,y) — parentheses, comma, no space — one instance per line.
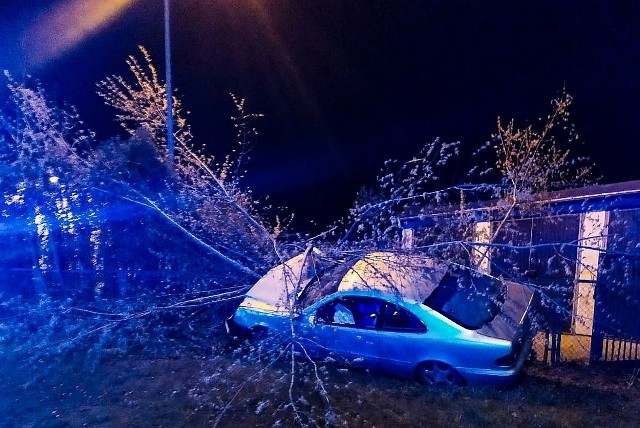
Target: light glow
(67,24)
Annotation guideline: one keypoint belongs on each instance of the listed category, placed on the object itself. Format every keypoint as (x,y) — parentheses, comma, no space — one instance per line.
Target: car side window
(399,319)
(359,312)
(335,312)
(343,315)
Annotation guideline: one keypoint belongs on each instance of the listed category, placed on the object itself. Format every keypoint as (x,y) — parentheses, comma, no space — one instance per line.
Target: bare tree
(533,161)
(143,103)
(213,192)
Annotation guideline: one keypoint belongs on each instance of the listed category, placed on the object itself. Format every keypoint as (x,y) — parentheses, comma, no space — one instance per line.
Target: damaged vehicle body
(404,315)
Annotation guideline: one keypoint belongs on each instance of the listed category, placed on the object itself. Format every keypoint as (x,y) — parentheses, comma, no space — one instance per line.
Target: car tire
(259,333)
(438,373)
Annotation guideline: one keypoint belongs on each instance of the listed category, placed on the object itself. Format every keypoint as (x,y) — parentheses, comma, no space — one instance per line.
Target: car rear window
(467,300)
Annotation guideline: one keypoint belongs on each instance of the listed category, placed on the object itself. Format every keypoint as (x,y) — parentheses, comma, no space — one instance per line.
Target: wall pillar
(480,254)
(592,240)
(407,238)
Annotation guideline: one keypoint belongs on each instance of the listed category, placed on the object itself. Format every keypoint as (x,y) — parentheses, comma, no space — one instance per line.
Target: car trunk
(512,322)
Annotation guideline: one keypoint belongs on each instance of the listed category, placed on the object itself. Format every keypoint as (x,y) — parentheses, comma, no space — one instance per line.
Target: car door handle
(367,342)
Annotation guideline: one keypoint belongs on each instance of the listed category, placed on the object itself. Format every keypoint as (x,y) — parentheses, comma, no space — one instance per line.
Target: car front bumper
(235,330)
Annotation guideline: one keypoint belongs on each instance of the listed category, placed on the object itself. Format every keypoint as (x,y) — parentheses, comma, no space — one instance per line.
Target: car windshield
(324,283)
(467,300)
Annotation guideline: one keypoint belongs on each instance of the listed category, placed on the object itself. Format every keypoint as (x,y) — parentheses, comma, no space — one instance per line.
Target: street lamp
(167,66)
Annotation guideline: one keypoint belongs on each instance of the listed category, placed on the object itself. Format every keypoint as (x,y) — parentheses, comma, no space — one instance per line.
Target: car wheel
(438,373)
(258,333)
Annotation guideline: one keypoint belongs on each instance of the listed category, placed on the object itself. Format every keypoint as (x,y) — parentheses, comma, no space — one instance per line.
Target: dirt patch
(241,389)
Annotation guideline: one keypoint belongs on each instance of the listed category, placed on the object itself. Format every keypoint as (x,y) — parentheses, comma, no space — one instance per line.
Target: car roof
(403,276)
(397,275)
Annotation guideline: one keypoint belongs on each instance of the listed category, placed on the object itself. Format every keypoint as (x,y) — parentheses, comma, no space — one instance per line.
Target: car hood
(512,320)
(277,290)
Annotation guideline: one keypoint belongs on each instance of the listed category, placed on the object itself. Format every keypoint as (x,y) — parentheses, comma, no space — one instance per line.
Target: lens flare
(281,52)
(65,25)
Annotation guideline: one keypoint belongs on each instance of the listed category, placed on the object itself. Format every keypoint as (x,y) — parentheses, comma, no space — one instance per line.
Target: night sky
(347,84)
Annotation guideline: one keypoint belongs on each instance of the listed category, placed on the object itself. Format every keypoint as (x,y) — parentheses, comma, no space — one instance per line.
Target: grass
(237,389)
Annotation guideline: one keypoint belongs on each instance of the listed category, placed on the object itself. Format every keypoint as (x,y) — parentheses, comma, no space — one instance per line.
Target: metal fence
(615,349)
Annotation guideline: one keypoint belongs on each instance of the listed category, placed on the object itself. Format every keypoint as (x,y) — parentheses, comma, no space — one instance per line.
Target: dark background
(347,84)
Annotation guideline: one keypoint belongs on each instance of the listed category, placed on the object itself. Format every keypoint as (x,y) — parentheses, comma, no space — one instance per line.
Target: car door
(345,328)
(402,339)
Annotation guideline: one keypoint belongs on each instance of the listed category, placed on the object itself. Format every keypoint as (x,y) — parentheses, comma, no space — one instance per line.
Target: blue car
(400,314)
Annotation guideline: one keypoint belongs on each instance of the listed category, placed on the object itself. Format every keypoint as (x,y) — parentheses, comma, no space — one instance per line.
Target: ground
(229,388)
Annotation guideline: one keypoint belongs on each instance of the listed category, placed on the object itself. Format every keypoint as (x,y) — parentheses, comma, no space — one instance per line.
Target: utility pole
(167,66)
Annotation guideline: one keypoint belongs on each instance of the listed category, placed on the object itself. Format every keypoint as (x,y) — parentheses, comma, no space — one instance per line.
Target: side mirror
(312,320)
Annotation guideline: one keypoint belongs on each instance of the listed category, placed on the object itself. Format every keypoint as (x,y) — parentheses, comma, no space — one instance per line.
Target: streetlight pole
(167,66)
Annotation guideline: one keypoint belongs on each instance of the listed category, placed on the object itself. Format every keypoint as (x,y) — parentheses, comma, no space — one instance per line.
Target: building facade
(582,252)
